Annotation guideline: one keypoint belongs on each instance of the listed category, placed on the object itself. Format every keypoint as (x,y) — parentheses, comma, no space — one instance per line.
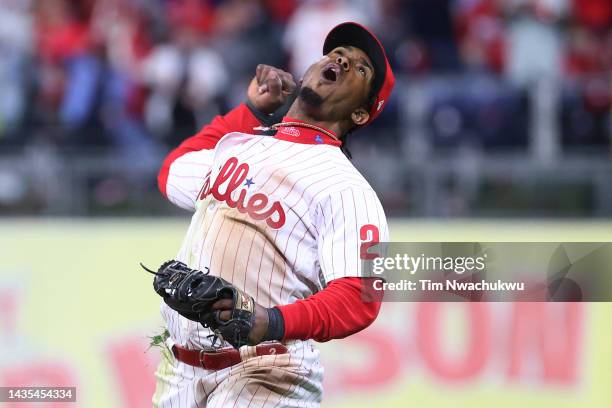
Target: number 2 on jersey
(369,236)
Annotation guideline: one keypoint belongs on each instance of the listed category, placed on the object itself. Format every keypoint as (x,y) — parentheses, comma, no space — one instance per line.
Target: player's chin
(324,89)
(311,95)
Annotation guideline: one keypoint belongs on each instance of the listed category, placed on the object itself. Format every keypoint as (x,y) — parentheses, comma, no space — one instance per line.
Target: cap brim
(356,35)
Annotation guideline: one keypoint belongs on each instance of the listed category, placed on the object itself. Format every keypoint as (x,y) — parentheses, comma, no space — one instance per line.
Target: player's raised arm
(184,169)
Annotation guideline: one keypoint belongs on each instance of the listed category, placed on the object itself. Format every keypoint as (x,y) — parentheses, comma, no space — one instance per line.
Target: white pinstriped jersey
(277,218)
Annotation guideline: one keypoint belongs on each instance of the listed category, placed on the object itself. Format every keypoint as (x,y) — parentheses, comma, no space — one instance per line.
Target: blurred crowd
(141,75)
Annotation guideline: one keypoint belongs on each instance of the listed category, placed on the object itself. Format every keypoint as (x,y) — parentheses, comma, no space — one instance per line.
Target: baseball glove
(192,294)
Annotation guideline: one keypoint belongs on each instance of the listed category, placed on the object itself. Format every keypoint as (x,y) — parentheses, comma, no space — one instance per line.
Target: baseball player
(284,218)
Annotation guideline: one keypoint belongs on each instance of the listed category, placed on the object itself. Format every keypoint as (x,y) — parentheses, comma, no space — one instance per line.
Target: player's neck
(296,112)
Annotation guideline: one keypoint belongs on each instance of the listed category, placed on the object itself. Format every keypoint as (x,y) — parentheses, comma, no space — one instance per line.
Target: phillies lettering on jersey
(235,174)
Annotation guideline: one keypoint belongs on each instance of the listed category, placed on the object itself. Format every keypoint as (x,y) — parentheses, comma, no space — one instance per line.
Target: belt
(223,358)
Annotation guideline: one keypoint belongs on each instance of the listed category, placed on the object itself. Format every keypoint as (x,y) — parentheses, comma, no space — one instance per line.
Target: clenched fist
(270,88)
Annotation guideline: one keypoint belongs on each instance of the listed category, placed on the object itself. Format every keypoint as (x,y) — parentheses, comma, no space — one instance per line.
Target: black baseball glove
(192,293)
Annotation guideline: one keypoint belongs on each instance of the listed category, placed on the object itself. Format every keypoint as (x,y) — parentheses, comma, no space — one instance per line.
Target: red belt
(218,360)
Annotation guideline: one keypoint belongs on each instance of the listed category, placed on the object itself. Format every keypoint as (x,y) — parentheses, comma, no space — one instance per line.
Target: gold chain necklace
(298,124)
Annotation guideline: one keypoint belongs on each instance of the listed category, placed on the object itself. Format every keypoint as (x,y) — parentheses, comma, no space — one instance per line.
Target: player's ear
(360,116)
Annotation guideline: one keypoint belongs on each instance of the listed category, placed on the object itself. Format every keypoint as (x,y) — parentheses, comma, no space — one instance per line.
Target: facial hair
(310,97)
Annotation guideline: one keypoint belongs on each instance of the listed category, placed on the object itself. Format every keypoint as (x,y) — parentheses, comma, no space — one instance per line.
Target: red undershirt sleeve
(240,119)
(336,312)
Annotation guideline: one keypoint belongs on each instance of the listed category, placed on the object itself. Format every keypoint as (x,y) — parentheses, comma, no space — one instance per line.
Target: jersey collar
(304,135)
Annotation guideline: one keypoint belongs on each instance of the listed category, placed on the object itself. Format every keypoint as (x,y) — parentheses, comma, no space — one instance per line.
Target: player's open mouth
(331,71)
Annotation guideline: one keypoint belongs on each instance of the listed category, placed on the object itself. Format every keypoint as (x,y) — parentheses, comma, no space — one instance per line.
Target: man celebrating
(284,221)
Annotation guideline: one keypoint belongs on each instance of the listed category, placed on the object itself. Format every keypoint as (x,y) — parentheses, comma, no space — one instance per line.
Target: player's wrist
(276,325)
(263,117)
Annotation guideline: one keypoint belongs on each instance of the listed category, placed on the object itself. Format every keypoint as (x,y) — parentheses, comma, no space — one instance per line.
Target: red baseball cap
(356,35)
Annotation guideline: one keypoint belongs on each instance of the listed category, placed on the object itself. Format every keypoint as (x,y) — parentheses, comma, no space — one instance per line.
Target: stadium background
(498,130)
